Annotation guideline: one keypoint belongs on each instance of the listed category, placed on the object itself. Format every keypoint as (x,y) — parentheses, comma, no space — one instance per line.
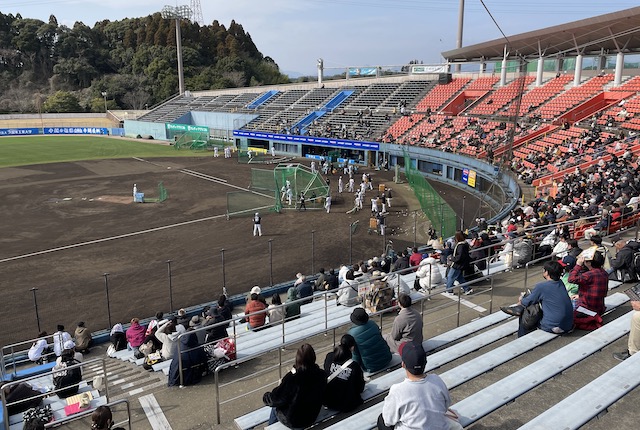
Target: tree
(62,101)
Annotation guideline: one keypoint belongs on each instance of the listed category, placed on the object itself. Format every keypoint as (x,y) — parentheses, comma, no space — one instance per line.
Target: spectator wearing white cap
(70,351)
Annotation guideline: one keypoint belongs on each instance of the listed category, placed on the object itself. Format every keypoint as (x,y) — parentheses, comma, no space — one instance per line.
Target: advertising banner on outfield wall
(187,128)
(18,131)
(310,140)
(76,130)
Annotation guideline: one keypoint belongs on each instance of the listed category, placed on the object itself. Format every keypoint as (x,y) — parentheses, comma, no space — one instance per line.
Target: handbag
(531,316)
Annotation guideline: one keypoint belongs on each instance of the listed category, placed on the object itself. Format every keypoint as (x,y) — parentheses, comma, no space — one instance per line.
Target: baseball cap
(413,357)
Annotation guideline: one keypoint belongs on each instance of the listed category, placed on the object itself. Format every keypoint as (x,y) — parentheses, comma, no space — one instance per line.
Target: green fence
(163,194)
(442,217)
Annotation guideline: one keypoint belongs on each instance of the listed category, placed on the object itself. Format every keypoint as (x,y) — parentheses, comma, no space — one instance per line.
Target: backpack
(66,380)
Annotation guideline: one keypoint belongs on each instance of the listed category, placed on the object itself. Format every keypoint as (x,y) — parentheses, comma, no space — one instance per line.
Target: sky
(344,33)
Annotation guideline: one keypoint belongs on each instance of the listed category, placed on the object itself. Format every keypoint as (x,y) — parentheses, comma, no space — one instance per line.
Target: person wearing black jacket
(343,391)
(622,264)
(459,262)
(296,402)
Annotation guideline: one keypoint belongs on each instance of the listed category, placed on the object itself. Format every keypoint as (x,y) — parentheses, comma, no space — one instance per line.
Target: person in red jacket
(135,335)
(255,305)
(415,259)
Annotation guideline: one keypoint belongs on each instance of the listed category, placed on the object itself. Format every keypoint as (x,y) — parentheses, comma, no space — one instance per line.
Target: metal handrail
(84,414)
(52,391)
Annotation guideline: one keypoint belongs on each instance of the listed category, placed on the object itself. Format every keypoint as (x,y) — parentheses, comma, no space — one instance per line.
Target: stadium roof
(608,34)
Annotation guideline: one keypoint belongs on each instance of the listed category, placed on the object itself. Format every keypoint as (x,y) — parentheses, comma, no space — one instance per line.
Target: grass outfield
(22,151)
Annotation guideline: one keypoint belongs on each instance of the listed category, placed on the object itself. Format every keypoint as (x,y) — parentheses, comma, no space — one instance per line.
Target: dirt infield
(67,224)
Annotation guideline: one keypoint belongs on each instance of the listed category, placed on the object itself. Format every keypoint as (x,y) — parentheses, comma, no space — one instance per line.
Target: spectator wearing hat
(83,338)
(70,351)
(593,286)
(258,291)
(183,318)
(421,401)
(59,338)
(196,323)
(407,326)
(371,352)
(256,307)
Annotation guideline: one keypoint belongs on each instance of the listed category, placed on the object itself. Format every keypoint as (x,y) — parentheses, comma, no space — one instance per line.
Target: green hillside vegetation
(46,67)
(23,151)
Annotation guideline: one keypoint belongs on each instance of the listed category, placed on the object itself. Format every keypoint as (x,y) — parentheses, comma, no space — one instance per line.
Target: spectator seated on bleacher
(407,326)
(183,318)
(402,262)
(194,362)
(415,258)
(213,316)
(421,401)
(40,349)
(551,294)
(331,280)
(20,391)
(151,331)
(135,337)
(305,290)
(82,337)
(37,418)
(372,352)
(64,379)
(379,296)
(568,262)
(276,310)
(59,338)
(633,346)
(256,307)
(167,333)
(593,286)
(348,292)
(298,399)
(428,274)
(345,380)
(522,250)
(292,308)
(622,266)
(102,419)
(117,337)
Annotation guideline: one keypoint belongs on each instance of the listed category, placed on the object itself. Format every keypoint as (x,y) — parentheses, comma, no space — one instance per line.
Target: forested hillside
(46,67)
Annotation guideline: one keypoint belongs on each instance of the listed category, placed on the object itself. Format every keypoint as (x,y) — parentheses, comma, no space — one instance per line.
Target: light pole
(106,287)
(178,13)
(170,286)
(104,95)
(35,305)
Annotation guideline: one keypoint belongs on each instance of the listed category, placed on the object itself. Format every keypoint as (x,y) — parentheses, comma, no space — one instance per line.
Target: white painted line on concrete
(154,413)
(136,391)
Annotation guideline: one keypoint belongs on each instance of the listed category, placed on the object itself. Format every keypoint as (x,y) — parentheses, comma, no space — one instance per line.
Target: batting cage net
(292,180)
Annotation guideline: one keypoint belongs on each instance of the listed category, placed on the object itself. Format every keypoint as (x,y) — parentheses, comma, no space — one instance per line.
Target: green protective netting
(193,140)
(163,194)
(299,178)
(262,179)
(442,216)
(246,203)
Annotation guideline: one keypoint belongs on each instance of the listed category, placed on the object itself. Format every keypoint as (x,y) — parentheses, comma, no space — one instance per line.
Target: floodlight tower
(178,13)
(196,7)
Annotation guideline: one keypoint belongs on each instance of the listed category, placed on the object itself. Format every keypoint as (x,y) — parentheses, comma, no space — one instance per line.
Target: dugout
(364,153)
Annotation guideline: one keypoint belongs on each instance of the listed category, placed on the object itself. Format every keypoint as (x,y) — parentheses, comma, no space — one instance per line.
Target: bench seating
(29,371)
(367,418)
(594,398)
(485,401)
(379,385)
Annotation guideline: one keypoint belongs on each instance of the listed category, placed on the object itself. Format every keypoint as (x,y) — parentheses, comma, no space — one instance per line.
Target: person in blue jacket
(372,352)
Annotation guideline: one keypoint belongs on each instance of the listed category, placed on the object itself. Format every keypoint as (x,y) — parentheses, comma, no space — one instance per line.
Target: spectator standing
(459,263)
(407,326)
(371,352)
(345,377)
